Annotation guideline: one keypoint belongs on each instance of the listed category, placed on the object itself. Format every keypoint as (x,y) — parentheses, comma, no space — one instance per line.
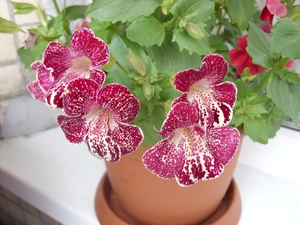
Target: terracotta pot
(143,198)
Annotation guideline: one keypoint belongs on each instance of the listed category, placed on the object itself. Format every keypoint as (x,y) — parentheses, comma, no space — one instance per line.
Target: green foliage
(9,27)
(23,8)
(146,31)
(150,41)
(286,38)
(285,95)
(241,12)
(76,12)
(259,46)
(118,10)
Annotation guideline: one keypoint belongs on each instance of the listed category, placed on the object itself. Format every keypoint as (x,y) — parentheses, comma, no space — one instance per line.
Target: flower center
(80,65)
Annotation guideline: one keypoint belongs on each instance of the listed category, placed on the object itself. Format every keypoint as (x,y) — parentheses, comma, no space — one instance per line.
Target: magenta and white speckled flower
(61,65)
(189,154)
(100,116)
(204,88)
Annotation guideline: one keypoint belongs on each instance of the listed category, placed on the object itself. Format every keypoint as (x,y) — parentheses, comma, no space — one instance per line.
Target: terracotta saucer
(109,211)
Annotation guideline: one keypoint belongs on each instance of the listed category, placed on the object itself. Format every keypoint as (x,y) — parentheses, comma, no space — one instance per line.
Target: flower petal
(199,163)
(183,80)
(128,137)
(120,101)
(164,159)
(36,91)
(83,41)
(224,97)
(181,115)
(276,8)
(223,143)
(57,58)
(99,140)
(215,67)
(80,96)
(75,128)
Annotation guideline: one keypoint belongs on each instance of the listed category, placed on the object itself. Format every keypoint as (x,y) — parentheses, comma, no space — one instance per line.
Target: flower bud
(194,31)
(148,90)
(166,5)
(136,63)
(30,40)
(140,80)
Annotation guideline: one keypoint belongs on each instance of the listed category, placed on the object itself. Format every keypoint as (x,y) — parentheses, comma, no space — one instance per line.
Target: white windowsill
(61,179)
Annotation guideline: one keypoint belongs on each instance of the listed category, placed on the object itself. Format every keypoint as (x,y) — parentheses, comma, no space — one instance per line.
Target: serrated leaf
(8,27)
(258,129)
(76,12)
(23,8)
(243,89)
(286,38)
(118,10)
(241,12)
(146,31)
(285,95)
(259,46)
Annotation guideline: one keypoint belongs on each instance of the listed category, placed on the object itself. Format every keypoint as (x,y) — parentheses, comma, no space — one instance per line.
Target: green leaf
(286,38)
(185,41)
(147,124)
(170,59)
(285,95)
(146,31)
(75,12)
(259,46)
(193,10)
(118,10)
(23,8)
(243,89)
(258,129)
(8,27)
(241,12)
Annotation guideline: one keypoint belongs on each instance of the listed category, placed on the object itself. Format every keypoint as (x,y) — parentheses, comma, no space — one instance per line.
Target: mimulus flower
(61,65)
(189,154)
(205,89)
(241,58)
(101,117)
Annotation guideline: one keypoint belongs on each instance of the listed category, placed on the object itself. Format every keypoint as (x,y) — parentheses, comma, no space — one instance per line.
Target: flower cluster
(70,79)
(198,143)
(114,95)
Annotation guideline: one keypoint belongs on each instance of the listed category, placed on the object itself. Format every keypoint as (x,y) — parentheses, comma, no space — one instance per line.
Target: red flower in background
(272,7)
(241,58)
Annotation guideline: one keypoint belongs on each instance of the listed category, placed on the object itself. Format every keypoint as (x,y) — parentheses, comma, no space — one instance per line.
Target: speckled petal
(98,76)
(35,90)
(181,115)
(163,159)
(80,96)
(223,143)
(84,42)
(215,67)
(199,163)
(127,136)
(57,58)
(120,101)
(75,128)
(183,80)
(43,75)
(99,139)
(54,96)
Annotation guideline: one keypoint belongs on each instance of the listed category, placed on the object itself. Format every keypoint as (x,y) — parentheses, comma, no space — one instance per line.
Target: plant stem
(56,6)
(263,82)
(121,67)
